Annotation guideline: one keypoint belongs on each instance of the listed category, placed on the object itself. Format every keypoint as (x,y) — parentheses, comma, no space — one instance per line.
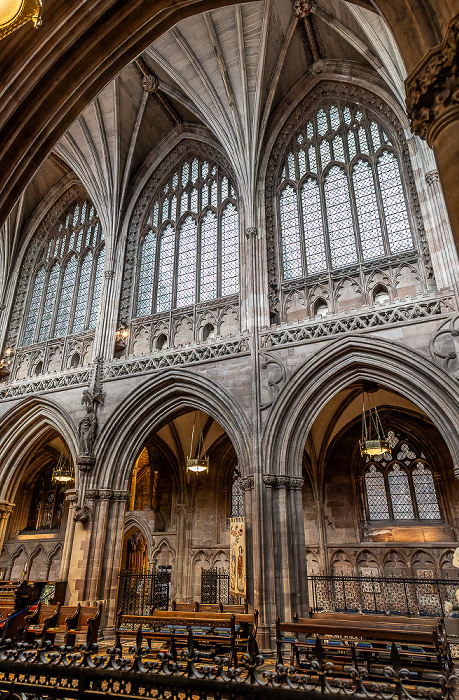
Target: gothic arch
(30,422)
(133,523)
(150,404)
(349,360)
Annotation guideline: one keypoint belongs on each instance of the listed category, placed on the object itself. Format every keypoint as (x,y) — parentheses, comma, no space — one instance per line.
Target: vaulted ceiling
(222,74)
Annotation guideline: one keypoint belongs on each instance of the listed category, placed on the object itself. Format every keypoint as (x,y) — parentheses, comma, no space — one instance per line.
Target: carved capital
(109,274)
(122,496)
(92,494)
(85,462)
(269,480)
(432,90)
(71,496)
(432,177)
(6,509)
(247,482)
(251,232)
(296,482)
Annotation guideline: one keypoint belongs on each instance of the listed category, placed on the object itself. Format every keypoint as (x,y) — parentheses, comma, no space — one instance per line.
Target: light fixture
(62,472)
(200,463)
(15,13)
(373,440)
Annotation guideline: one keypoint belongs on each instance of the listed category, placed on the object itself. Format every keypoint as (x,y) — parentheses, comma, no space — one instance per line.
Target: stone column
(432,98)
(100,499)
(71,496)
(114,548)
(442,232)
(179,575)
(6,509)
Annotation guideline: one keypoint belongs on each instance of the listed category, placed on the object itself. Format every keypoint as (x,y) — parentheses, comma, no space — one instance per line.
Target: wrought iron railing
(64,673)
(414,597)
(215,587)
(138,591)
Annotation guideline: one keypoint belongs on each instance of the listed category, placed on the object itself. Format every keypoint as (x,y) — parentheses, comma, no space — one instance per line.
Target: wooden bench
(37,624)
(421,648)
(213,631)
(88,619)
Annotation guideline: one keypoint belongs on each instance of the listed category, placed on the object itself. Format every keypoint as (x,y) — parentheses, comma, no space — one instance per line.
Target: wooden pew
(37,624)
(88,617)
(422,648)
(211,630)
(66,621)
(183,607)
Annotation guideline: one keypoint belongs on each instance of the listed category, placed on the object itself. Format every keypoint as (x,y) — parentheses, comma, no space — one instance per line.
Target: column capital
(122,496)
(432,89)
(6,508)
(251,232)
(85,462)
(283,481)
(247,482)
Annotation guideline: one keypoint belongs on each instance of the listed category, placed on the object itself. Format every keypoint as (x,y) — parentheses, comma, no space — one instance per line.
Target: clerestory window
(400,485)
(189,249)
(341,199)
(65,290)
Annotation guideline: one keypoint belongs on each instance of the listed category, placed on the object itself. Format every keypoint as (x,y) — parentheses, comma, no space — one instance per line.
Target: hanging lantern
(62,472)
(201,462)
(373,440)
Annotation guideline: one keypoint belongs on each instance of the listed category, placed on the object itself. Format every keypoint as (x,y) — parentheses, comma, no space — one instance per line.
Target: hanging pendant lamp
(62,472)
(373,440)
(201,462)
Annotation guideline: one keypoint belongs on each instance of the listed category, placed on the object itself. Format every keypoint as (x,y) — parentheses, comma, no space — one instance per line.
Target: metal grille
(138,592)
(215,587)
(413,596)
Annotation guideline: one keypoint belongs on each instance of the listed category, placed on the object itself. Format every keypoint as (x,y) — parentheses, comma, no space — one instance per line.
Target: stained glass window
(191,250)
(65,294)
(237,498)
(345,215)
(399,485)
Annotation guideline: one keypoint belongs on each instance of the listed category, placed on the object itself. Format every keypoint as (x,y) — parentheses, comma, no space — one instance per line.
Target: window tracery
(400,485)
(189,249)
(341,199)
(64,295)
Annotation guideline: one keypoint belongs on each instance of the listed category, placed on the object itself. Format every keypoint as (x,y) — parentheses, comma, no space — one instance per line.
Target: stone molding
(432,89)
(432,177)
(85,462)
(247,482)
(6,508)
(107,495)
(122,496)
(282,481)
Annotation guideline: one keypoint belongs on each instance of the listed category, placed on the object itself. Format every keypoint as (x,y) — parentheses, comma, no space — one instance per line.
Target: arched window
(341,198)
(189,249)
(64,295)
(400,485)
(237,498)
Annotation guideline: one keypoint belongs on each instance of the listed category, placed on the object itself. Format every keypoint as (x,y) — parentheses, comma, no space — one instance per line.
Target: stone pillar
(6,509)
(180,575)
(71,497)
(114,549)
(432,98)
(100,500)
(442,232)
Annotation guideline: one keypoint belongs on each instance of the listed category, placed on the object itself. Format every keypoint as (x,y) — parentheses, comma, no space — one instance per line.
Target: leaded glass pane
(340,226)
(313,230)
(322,126)
(194,200)
(325,155)
(194,170)
(214,201)
(303,168)
(183,203)
(312,159)
(375,136)
(378,508)
(48,306)
(34,306)
(166,270)
(334,117)
(165,210)
(351,144)
(400,494)
(290,228)
(209,257)
(65,300)
(363,140)
(185,174)
(147,270)
(224,189)
(230,250)
(155,214)
(97,290)
(424,490)
(347,115)
(398,227)
(82,297)
(237,498)
(367,211)
(291,166)
(186,274)
(338,148)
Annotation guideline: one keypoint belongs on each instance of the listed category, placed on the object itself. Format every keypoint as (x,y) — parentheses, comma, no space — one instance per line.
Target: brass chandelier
(200,463)
(62,471)
(373,440)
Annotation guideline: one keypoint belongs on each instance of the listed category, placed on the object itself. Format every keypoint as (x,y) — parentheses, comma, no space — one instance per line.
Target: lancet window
(65,290)
(341,196)
(189,248)
(400,485)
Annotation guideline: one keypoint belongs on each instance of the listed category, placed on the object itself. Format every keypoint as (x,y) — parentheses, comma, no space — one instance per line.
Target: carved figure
(87,430)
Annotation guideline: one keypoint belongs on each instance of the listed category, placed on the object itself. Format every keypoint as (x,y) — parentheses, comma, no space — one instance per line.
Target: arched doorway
(185,513)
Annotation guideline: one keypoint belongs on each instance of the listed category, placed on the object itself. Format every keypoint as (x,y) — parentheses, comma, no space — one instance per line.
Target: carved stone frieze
(432,90)
(282,481)
(122,496)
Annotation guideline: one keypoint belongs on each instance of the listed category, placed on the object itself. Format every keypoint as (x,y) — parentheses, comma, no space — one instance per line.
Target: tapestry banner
(238,582)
